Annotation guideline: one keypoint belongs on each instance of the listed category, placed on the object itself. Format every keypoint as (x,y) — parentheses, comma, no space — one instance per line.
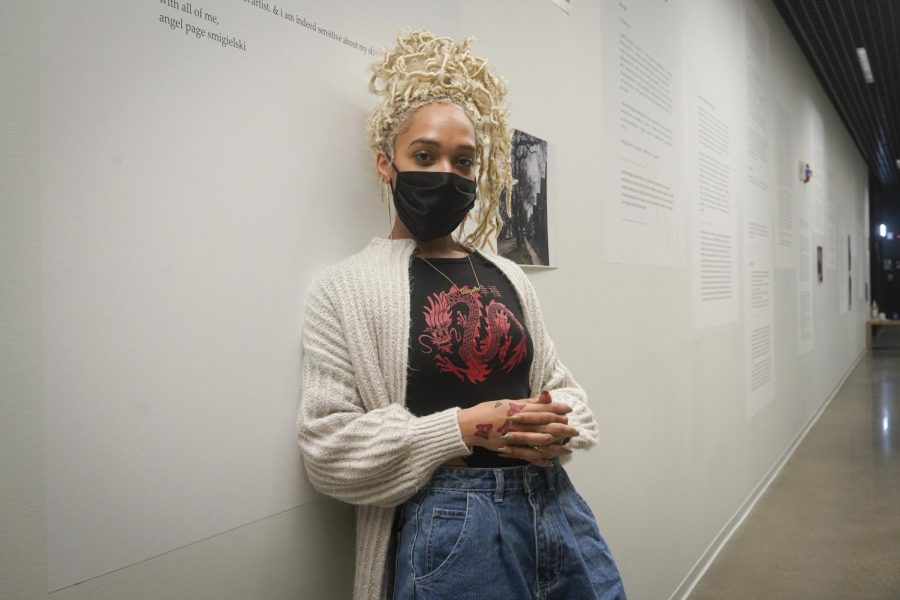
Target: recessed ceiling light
(898,163)
(864,65)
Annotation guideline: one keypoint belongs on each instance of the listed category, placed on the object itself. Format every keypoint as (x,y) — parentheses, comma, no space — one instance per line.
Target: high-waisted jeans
(514,533)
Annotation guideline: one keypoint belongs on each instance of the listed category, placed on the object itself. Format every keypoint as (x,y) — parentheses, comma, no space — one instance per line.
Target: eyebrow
(432,142)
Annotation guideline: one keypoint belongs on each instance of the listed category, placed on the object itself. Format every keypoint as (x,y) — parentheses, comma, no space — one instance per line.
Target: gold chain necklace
(474,290)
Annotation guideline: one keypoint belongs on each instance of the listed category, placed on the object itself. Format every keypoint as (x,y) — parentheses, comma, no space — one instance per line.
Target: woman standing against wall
(432,398)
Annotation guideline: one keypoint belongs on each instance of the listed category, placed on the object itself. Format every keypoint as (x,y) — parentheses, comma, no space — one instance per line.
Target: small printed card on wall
(524,237)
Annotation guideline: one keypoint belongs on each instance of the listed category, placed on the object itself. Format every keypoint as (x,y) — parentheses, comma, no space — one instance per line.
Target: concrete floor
(829,525)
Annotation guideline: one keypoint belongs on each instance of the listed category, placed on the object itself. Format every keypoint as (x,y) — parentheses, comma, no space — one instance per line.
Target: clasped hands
(531,429)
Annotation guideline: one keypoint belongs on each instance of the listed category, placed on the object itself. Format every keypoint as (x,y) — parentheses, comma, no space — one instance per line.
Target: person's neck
(442,247)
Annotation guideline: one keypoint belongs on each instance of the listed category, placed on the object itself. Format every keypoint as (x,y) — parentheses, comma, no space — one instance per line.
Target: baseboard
(696,573)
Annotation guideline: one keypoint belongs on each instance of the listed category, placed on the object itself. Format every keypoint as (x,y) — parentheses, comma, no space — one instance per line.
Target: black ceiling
(829,32)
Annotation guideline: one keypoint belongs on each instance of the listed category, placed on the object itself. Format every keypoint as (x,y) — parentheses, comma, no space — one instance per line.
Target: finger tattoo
(514,408)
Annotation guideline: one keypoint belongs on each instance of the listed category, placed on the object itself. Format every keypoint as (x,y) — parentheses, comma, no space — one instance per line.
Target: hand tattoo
(503,429)
(482,430)
(498,404)
(514,408)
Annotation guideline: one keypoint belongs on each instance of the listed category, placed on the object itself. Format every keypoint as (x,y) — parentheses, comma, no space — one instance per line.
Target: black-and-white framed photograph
(524,238)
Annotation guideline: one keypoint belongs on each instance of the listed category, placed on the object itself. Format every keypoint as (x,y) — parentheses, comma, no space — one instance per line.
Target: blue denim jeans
(514,533)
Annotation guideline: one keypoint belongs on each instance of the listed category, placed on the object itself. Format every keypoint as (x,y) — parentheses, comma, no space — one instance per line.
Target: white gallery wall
(172,181)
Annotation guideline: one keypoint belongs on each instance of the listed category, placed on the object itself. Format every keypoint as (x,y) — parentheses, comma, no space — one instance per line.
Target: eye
(465,162)
(422,156)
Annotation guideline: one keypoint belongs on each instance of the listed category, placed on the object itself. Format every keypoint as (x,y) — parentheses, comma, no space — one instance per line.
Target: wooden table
(872,323)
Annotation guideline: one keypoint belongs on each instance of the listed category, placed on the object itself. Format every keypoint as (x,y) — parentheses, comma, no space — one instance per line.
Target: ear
(383,166)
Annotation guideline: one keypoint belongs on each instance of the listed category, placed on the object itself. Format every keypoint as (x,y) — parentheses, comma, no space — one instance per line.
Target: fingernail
(515,418)
(506,437)
(503,450)
(545,396)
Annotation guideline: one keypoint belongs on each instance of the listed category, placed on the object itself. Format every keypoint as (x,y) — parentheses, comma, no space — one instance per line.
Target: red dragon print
(481,334)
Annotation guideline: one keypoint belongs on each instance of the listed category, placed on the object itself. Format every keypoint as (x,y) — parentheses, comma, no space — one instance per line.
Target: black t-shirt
(465,348)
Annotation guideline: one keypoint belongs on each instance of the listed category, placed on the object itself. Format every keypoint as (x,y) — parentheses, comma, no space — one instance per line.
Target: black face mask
(432,204)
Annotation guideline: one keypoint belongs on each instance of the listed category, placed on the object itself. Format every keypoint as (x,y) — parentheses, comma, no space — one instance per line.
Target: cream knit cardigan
(360,443)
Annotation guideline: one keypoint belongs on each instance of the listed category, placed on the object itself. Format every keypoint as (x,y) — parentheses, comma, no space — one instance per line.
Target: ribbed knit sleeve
(380,456)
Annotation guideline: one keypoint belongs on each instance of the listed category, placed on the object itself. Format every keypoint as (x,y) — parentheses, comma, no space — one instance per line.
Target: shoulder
(350,266)
(381,261)
(327,282)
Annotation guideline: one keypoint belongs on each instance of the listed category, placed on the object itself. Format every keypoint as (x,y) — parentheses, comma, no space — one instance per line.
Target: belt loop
(498,490)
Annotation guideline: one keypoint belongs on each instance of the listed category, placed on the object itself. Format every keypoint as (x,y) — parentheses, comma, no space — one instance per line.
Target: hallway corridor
(829,525)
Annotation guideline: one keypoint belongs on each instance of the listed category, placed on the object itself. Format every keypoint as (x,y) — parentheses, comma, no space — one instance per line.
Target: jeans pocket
(579,514)
(446,533)
(583,504)
(573,494)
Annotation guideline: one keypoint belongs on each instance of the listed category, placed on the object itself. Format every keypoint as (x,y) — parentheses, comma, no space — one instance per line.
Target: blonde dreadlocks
(424,68)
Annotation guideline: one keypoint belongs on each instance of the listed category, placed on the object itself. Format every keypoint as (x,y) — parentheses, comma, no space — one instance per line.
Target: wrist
(467,427)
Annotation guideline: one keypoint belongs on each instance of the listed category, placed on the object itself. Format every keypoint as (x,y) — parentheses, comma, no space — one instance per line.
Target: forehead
(438,120)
